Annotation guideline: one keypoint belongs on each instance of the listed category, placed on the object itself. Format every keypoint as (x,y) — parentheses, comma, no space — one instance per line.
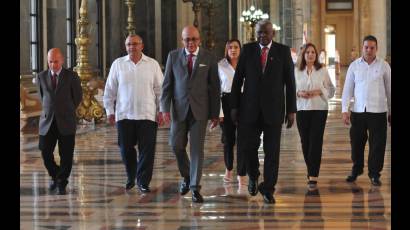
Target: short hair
(303,64)
(226,47)
(370,38)
(264,22)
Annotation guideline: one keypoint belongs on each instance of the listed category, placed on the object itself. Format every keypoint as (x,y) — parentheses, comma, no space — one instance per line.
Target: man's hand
(111,119)
(234,116)
(346,118)
(166,116)
(214,122)
(290,118)
(160,120)
(389,119)
(221,120)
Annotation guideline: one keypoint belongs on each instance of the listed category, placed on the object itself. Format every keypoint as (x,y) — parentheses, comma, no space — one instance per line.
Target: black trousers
(229,131)
(66,144)
(372,126)
(248,144)
(143,133)
(311,125)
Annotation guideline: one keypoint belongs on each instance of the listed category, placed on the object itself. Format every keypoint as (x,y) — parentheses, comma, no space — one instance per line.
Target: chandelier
(252,16)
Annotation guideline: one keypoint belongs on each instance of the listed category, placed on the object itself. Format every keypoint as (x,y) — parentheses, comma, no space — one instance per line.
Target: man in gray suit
(60,93)
(191,95)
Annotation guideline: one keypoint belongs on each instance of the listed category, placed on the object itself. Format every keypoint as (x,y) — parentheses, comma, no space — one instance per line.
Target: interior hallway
(96,197)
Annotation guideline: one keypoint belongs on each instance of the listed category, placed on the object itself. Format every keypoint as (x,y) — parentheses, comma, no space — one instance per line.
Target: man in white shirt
(368,81)
(131,99)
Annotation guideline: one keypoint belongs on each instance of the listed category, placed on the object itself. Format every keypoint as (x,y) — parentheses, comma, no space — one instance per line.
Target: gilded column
(130,19)
(89,109)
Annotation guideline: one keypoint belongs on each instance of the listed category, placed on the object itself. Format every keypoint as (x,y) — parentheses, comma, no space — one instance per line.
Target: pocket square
(200,65)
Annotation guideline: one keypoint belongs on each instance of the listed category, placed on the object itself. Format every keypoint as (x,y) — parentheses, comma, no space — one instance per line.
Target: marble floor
(97,200)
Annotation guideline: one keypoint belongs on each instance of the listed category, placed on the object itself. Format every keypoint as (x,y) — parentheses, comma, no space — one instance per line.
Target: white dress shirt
(317,79)
(135,89)
(226,73)
(194,57)
(369,86)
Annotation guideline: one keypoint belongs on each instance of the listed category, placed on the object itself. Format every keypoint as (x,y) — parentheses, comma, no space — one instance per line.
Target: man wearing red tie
(268,100)
(190,97)
(60,93)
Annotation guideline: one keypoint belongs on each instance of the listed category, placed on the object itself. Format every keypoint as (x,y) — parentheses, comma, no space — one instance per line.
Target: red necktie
(190,64)
(54,80)
(264,55)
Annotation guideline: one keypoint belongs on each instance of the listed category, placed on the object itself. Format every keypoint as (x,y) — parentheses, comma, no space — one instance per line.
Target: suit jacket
(264,91)
(201,91)
(60,103)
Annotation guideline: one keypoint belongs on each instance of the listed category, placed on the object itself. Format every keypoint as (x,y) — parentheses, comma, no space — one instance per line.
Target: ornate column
(196,7)
(89,108)
(210,41)
(130,19)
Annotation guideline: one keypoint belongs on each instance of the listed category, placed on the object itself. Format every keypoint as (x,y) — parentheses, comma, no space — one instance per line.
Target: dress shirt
(193,58)
(135,89)
(226,73)
(58,74)
(369,85)
(269,45)
(317,79)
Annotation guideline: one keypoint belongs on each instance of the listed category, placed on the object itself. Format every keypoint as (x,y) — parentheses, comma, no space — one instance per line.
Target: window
(339,5)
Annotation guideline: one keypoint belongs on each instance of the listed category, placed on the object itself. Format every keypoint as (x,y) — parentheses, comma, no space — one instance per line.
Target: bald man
(190,97)
(60,93)
(131,100)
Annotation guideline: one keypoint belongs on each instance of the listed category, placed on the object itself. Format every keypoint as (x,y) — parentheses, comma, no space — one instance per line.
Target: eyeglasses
(190,40)
(133,44)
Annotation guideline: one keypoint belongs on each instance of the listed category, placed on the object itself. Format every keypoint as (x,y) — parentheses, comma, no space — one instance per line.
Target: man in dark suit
(191,94)
(60,93)
(268,97)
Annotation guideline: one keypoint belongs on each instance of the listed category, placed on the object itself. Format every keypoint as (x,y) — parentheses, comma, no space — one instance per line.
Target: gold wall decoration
(89,109)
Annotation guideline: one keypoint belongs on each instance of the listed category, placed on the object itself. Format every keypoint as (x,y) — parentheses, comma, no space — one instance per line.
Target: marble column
(378,25)
(315,28)
(185,16)
(298,17)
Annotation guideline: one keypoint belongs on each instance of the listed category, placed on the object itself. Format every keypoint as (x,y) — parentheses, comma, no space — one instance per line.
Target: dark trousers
(143,133)
(372,126)
(229,132)
(66,144)
(248,144)
(311,125)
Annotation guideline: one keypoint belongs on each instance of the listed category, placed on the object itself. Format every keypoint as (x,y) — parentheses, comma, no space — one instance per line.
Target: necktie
(190,64)
(264,56)
(54,80)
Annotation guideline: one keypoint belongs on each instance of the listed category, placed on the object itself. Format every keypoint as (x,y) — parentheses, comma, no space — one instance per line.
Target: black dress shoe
(312,184)
(375,181)
(267,196)
(252,187)
(61,190)
(144,188)
(184,187)
(352,177)
(52,186)
(197,197)
(129,185)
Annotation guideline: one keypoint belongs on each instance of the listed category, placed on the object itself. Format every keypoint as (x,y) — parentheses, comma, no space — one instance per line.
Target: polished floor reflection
(97,200)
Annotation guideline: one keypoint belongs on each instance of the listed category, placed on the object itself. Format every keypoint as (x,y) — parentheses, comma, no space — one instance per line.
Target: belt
(225,94)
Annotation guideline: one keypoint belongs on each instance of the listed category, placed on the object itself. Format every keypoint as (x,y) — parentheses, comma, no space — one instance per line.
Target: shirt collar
(361,59)
(195,53)
(58,72)
(269,45)
(143,57)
